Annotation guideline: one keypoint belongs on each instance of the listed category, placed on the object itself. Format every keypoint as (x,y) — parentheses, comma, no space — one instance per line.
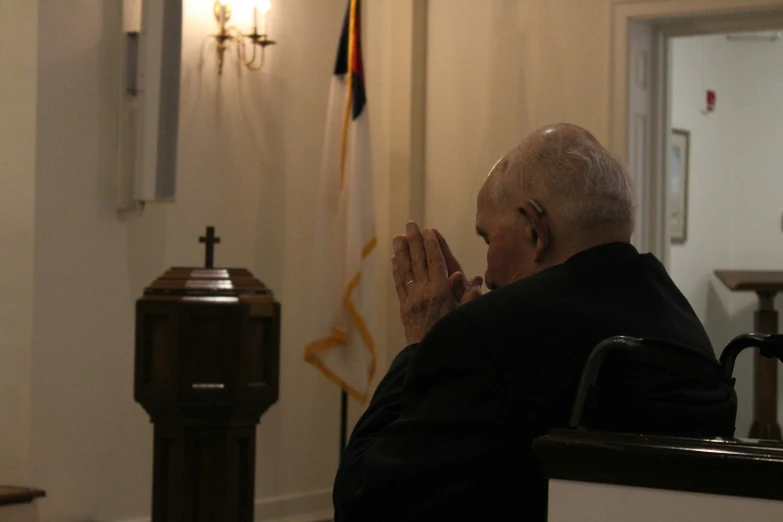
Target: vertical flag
(343,313)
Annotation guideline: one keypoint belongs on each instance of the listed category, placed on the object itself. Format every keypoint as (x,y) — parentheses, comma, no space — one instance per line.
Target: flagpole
(343,420)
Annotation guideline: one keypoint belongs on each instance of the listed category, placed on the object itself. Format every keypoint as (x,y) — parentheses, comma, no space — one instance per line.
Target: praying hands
(429,280)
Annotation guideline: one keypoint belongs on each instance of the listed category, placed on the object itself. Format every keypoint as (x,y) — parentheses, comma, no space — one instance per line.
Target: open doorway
(725,174)
(709,179)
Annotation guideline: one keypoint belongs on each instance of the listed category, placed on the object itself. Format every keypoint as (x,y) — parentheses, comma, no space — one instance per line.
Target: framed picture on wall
(678,186)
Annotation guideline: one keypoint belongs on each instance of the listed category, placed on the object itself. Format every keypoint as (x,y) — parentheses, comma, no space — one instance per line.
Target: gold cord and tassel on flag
(343,301)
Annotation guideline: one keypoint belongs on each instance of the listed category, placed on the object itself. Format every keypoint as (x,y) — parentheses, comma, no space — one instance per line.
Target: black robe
(448,433)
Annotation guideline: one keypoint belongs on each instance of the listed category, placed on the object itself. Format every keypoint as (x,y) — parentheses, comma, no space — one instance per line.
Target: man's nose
(488,281)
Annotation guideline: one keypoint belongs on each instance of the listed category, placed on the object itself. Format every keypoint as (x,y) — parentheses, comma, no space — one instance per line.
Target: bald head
(570,173)
(556,194)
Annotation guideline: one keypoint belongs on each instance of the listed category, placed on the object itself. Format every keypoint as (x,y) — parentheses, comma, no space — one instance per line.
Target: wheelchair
(620,404)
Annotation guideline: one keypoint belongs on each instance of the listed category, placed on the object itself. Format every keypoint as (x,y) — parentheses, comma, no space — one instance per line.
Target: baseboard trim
(302,507)
(313,506)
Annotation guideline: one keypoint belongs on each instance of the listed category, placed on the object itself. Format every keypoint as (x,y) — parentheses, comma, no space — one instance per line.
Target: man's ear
(543,240)
(539,228)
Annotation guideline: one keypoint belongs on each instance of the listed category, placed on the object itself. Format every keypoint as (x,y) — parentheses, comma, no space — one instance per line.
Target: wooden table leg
(765,389)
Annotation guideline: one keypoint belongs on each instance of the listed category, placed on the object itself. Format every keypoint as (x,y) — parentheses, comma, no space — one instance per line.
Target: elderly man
(448,433)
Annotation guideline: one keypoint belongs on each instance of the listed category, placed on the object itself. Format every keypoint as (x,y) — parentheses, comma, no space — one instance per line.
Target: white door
(647,136)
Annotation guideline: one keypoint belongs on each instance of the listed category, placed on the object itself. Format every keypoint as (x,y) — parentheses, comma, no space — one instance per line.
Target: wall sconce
(227,35)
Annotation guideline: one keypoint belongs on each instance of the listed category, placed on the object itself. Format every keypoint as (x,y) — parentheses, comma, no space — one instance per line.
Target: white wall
(89,440)
(699,63)
(18,50)
(19,513)
(757,203)
(249,158)
(735,188)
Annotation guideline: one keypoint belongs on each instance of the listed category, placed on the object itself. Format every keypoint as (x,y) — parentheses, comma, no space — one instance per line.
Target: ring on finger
(409,282)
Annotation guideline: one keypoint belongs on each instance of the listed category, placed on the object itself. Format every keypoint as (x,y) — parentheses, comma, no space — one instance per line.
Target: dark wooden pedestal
(207,368)
(766,284)
(204,473)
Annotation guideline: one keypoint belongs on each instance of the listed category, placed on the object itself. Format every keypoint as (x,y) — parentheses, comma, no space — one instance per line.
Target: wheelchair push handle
(769,345)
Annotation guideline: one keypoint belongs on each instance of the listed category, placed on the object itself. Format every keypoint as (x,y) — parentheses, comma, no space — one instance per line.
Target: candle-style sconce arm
(256,40)
(227,35)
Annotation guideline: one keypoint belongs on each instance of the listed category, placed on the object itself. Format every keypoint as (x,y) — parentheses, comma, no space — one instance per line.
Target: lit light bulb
(222,12)
(264,6)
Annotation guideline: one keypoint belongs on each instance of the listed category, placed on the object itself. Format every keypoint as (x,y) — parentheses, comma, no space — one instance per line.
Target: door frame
(667,19)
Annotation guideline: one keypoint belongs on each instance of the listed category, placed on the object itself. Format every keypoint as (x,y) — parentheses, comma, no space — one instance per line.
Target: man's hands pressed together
(430,282)
(462,289)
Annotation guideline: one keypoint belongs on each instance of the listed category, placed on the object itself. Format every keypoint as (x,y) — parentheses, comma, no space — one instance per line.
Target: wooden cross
(211,240)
